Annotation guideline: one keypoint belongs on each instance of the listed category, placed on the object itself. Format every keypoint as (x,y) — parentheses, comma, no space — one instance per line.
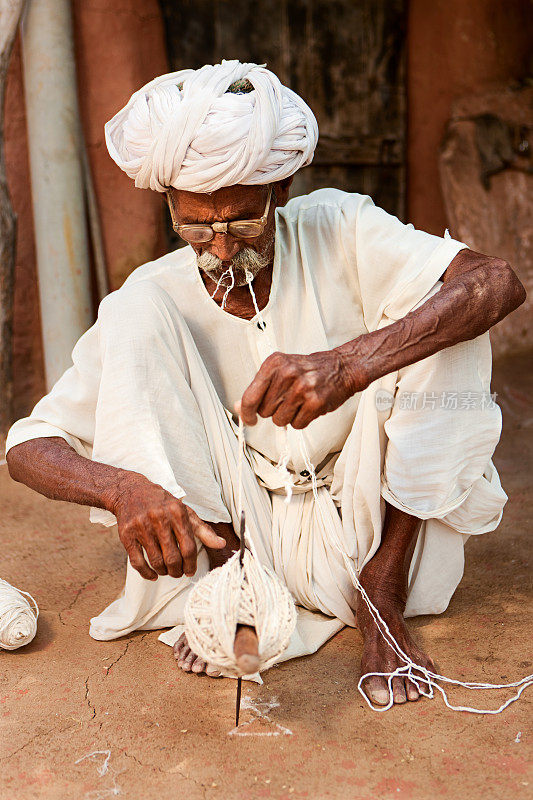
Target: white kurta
(154,381)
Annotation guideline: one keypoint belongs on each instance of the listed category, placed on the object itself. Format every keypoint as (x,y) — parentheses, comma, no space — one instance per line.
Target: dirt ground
(86,719)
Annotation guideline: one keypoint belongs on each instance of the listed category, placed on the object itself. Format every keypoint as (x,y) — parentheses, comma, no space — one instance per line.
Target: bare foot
(190,662)
(378,656)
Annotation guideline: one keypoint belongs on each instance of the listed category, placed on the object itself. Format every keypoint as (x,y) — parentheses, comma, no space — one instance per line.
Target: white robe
(154,381)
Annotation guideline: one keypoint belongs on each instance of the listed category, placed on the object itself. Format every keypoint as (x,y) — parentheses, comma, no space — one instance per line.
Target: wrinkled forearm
(50,466)
(466,306)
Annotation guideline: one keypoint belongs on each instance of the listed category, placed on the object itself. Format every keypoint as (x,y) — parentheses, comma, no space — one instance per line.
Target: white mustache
(246,260)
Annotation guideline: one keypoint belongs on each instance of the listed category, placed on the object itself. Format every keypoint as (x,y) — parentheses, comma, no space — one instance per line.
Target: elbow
(516,287)
(508,287)
(13,464)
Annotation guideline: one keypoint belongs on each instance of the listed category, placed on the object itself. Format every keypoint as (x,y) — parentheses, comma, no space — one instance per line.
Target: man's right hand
(149,517)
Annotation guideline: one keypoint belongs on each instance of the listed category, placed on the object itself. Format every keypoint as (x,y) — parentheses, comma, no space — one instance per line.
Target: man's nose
(224,246)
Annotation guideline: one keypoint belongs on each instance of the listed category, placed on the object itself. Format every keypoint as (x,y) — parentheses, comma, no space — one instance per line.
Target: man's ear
(282,190)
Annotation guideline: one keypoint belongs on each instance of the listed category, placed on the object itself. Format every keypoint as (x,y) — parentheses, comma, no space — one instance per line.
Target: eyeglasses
(241,229)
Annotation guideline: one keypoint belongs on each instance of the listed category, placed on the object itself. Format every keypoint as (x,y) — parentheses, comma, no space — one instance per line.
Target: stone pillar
(56,180)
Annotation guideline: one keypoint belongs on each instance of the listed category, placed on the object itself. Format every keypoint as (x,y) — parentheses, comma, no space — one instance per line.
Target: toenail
(381,697)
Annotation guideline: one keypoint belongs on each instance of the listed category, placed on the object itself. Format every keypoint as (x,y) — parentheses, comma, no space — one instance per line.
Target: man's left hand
(295,390)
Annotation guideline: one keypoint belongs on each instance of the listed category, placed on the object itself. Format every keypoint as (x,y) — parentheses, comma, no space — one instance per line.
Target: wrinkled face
(226,259)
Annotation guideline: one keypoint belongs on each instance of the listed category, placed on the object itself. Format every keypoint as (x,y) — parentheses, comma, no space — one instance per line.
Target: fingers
(188,525)
(155,556)
(286,412)
(307,413)
(253,396)
(294,389)
(181,524)
(205,532)
(169,549)
(278,392)
(138,562)
(165,536)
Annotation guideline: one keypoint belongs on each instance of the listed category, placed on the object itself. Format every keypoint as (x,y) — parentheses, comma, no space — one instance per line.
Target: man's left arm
(477,292)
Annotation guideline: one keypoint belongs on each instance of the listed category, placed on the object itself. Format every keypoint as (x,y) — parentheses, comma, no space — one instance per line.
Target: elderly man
(354,347)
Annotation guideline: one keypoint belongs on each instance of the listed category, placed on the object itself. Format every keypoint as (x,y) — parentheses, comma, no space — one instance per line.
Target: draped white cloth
(154,380)
(184,129)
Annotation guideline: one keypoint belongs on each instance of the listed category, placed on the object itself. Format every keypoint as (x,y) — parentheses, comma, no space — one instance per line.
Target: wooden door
(344,57)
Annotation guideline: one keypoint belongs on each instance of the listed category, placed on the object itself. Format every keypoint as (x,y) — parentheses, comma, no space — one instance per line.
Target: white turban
(186,130)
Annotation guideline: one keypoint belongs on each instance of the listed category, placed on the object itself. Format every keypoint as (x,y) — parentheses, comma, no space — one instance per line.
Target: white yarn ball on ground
(18,620)
(232,595)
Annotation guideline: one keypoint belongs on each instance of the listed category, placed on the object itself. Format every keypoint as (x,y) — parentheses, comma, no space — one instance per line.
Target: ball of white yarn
(18,620)
(229,595)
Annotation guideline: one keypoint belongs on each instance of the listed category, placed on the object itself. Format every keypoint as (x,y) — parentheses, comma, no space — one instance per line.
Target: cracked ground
(81,719)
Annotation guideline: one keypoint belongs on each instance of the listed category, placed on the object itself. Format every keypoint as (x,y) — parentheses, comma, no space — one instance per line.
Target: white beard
(246,263)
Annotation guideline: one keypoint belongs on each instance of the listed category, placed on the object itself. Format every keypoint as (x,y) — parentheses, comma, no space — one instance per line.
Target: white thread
(217,287)
(103,769)
(18,620)
(308,463)
(282,466)
(228,290)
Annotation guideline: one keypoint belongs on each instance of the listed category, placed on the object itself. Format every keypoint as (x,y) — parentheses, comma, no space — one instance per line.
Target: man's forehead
(236,201)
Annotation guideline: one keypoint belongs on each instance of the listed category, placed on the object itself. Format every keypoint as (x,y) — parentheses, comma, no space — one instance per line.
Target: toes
(198,665)
(412,692)
(398,690)
(183,656)
(185,653)
(179,644)
(188,661)
(377,691)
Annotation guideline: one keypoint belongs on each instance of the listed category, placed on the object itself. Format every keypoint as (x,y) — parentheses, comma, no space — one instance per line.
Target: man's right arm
(50,466)
(149,518)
